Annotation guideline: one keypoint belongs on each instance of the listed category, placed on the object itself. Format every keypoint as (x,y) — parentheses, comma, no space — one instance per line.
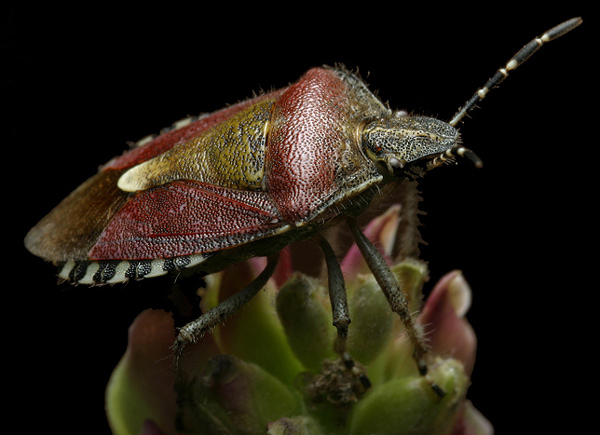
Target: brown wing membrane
(72,228)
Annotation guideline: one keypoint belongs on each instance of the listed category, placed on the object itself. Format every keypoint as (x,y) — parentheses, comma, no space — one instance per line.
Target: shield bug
(248,180)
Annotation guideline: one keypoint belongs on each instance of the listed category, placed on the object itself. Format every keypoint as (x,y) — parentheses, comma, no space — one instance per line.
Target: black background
(80,81)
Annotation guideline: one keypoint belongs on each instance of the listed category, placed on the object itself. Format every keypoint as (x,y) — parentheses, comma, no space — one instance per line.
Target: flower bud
(307,323)
(411,404)
(372,322)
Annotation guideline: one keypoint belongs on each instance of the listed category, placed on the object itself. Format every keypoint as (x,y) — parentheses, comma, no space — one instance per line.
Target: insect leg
(194,330)
(339,308)
(338,298)
(394,294)
(337,295)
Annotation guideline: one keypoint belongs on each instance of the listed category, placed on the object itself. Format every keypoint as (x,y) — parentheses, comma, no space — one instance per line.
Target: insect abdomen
(115,271)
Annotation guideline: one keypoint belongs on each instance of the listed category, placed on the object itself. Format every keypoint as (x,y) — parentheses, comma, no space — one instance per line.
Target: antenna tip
(561,29)
(471,156)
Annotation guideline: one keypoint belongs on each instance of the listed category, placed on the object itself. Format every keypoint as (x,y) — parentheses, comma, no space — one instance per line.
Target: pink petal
(382,232)
(285,267)
(472,422)
(141,386)
(448,332)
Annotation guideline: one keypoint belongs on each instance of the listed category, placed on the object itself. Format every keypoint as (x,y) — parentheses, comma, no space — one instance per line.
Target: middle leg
(339,308)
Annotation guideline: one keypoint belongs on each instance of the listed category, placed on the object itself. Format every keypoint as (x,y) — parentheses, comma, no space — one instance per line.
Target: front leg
(394,294)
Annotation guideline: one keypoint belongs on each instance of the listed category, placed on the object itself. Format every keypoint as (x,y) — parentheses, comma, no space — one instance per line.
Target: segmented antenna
(519,58)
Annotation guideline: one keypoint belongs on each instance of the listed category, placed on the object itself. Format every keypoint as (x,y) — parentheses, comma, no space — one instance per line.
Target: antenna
(525,53)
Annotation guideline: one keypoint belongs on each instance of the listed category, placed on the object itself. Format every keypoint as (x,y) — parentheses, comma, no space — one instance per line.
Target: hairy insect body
(261,168)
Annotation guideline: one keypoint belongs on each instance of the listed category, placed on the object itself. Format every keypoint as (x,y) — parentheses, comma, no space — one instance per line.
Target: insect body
(266,167)
(246,181)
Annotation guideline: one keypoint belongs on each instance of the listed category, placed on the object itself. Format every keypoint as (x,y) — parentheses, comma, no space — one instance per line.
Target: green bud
(372,322)
(376,333)
(307,323)
(255,334)
(413,404)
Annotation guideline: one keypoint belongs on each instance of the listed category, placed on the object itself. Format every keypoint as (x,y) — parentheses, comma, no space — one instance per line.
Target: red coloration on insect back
(303,143)
(294,167)
(185,217)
